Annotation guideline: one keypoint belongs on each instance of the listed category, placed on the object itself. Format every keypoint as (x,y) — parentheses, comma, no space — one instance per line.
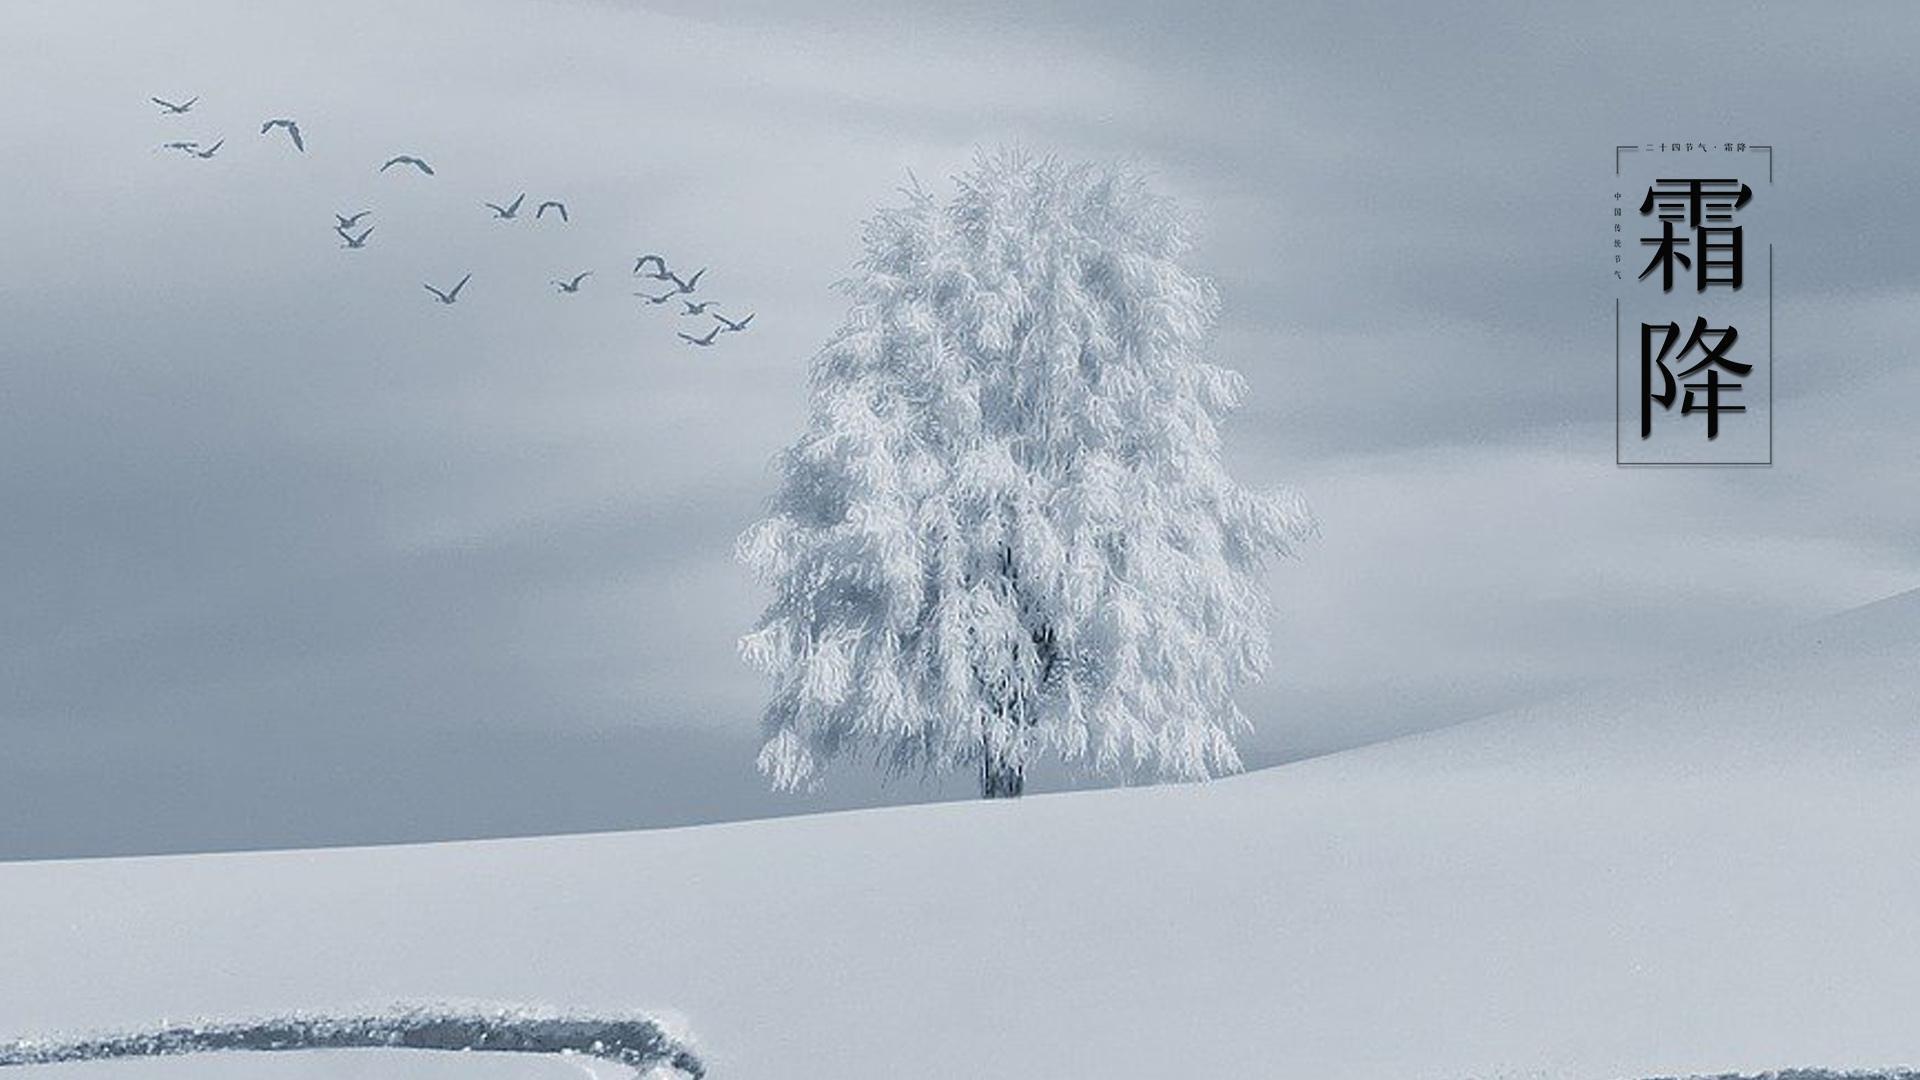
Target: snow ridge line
(637,1041)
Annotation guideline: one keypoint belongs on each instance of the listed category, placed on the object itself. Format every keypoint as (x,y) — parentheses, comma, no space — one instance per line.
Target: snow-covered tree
(1006,530)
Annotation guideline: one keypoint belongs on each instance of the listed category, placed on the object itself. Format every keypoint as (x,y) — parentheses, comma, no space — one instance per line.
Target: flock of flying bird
(650,266)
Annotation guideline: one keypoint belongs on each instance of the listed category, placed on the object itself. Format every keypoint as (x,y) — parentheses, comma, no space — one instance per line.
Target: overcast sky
(291,555)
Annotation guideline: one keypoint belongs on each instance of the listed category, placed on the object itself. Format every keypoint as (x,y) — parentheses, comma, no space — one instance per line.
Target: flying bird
(189,147)
(358,242)
(347,222)
(450,296)
(407,159)
(688,285)
(209,151)
(293,131)
(661,299)
(509,211)
(696,309)
(730,325)
(574,285)
(660,274)
(170,107)
(541,211)
(708,340)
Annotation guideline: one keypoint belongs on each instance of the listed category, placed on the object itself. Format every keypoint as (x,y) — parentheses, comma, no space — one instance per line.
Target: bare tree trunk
(1003,770)
(999,778)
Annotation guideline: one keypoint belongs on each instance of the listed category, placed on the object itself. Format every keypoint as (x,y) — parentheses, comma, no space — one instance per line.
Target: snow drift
(1703,869)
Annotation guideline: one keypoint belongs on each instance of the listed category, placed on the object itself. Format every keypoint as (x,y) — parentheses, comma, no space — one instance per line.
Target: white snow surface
(1710,867)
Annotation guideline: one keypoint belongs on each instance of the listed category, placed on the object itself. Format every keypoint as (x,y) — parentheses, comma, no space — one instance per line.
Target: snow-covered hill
(1708,867)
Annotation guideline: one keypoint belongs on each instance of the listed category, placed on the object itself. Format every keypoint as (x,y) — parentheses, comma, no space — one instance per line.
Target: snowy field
(1710,868)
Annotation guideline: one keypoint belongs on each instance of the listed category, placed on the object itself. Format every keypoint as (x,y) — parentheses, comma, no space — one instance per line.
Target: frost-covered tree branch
(636,1041)
(1006,530)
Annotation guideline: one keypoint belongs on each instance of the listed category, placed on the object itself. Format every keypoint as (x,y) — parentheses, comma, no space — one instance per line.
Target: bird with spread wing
(292,129)
(450,296)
